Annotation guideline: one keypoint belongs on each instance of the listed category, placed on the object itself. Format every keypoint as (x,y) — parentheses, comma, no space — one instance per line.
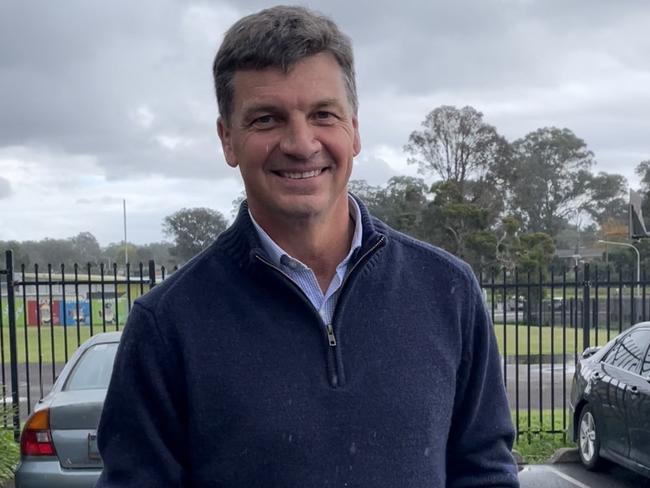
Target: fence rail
(542,321)
(46,313)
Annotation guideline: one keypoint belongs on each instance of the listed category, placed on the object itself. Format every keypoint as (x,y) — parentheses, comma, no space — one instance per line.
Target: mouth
(301,175)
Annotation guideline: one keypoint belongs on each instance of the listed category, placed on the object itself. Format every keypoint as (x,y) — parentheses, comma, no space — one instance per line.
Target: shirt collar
(276,253)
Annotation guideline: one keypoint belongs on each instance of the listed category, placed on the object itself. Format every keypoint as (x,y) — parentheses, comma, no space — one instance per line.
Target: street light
(638,258)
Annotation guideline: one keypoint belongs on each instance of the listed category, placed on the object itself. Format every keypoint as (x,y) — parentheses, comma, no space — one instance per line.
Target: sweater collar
(242,243)
(277,254)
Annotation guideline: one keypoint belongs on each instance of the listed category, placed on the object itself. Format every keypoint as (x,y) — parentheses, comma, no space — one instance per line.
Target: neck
(320,244)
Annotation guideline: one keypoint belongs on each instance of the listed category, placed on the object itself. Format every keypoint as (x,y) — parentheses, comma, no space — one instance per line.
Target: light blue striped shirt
(304,277)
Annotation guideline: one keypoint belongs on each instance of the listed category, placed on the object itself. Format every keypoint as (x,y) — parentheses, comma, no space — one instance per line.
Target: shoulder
(412,252)
(194,279)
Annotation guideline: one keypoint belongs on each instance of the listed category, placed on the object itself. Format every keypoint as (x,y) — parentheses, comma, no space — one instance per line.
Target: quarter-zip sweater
(226,376)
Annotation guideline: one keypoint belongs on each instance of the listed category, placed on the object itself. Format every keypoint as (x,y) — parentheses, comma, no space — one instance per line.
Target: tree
(643,171)
(369,194)
(614,230)
(456,145)
(86,249)
(507,242)
(536,252)
(114,253)
(456,225)
(193,229)
(401,204)
(19,254)
(50,251)
(550,171)
(606,198)
(236,204)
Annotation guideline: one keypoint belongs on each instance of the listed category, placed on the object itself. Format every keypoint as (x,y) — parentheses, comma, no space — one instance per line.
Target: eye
(325,117)
(264,121)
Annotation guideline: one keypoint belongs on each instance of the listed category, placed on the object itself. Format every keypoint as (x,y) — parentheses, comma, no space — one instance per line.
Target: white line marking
(567,477)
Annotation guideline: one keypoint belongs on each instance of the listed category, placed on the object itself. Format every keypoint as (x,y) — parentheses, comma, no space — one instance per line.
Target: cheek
(256,149)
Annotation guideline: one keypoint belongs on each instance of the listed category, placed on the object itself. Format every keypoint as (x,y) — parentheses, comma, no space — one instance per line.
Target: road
(555,385)
(569,476)
(573,475)
(40,383)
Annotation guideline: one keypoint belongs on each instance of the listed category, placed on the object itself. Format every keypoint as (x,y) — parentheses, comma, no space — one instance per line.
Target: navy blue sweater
(226,376)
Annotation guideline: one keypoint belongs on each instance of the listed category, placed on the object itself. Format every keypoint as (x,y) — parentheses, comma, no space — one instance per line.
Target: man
(310,345)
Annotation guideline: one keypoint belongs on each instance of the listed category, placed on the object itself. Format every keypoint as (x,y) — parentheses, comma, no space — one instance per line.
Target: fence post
(13,349)
(152,274)
(586,303)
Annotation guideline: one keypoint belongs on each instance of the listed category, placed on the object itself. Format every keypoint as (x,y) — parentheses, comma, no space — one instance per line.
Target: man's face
(293,136)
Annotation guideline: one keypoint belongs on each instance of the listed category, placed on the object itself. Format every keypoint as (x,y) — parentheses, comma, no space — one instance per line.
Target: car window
(628,353)
(93,369)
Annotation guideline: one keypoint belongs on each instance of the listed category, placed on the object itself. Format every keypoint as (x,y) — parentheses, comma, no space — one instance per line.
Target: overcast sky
(104,101)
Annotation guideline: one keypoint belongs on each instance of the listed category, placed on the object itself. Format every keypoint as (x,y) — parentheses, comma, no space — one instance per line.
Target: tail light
(36,439)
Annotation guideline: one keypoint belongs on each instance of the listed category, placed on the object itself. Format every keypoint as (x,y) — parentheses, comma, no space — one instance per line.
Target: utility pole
(126,250)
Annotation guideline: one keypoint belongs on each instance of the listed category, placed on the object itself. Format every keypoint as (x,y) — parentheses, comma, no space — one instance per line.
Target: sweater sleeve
(481,435)
(141,434)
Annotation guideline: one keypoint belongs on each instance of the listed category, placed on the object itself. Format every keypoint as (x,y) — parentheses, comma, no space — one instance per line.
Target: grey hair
(279,37)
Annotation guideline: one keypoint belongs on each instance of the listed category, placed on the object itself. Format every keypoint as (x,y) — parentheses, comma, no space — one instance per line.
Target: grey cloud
(73,74)
(5,188)
(374,172)
(79,72)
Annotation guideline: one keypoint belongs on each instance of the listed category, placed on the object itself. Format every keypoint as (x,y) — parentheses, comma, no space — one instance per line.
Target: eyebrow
(329,102)
(270,107)
(256,108)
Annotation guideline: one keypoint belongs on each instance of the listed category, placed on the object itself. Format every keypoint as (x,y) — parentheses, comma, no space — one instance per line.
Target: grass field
(74,337)
(553,341)
(62,335)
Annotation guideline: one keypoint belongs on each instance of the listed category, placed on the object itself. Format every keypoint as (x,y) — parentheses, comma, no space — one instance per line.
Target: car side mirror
(590,351)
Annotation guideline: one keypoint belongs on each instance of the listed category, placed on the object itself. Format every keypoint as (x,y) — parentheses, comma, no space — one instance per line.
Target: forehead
(310,80)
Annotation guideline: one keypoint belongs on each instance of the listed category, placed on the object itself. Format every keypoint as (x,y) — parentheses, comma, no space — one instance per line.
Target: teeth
(300,176)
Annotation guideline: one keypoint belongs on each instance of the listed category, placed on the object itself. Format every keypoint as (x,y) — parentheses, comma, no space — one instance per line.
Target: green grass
(9,455)
(9,450)
(61,334)
(535,446)
(550,342)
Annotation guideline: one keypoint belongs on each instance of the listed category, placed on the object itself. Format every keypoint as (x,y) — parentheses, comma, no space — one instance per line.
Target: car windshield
(93,369)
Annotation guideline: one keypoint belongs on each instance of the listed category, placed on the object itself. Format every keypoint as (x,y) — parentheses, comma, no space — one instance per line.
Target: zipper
(330,335)
(332,369)
(329,328)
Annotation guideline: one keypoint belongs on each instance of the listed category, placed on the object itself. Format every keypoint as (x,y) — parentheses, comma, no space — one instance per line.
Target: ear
(225,135)
(356,143)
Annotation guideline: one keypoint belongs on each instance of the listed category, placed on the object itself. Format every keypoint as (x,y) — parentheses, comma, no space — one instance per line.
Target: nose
(299,140)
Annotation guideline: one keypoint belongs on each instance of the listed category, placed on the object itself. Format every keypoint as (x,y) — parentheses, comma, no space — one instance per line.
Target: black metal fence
(542,321)
(45,314)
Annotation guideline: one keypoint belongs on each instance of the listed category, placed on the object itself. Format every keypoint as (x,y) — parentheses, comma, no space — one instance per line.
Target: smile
(300,176)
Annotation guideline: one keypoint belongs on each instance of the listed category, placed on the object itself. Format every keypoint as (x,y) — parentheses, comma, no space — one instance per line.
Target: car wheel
(588,439)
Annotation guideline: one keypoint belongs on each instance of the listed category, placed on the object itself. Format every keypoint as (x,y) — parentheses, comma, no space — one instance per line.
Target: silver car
(58,444)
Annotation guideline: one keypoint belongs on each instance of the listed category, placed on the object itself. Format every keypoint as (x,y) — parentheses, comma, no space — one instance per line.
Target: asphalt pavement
(568,475)
(573,475)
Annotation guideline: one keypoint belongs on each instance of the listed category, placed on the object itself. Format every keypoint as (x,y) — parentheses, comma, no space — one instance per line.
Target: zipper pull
(330,335)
